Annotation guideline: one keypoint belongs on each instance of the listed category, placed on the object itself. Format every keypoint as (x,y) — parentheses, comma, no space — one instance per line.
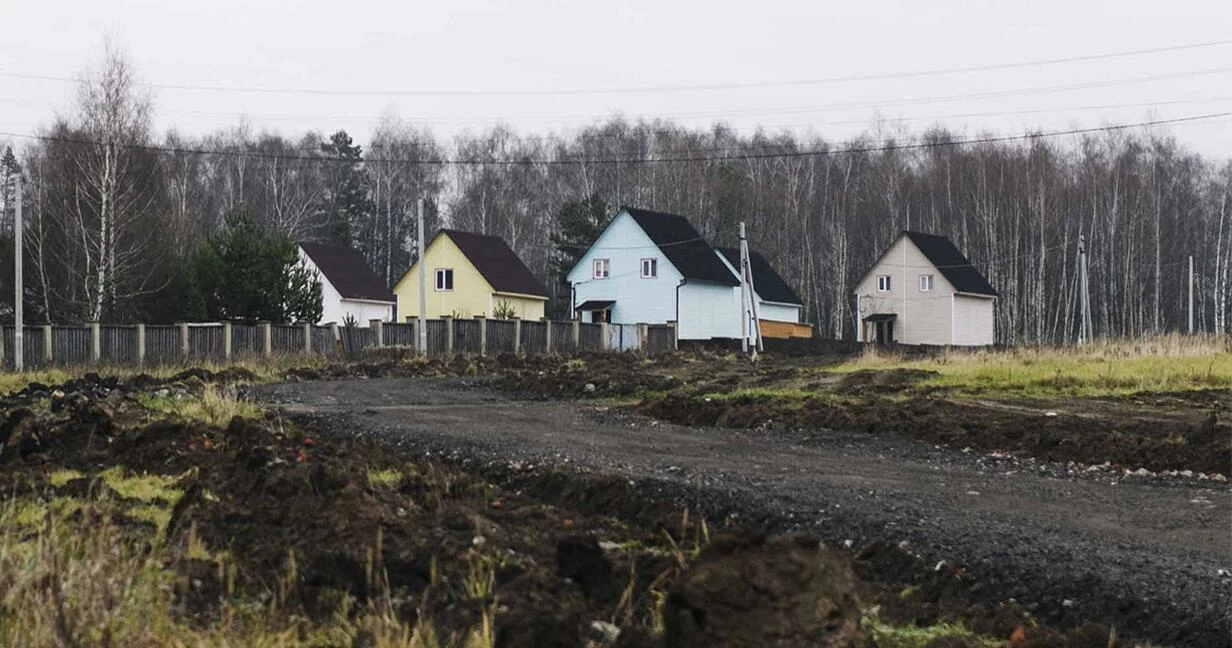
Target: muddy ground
(319,517)
(1149,556)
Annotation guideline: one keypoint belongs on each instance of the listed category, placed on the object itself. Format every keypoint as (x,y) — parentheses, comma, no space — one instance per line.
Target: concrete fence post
(448,335)
(96,343)
(184,340)
(577,335)
(483,334)
(333,330)
(47,353)
(675,333)
(226,341)
(1,344)
(643,336)
(308,338)
(517,336)
(267,340)
(379,330)
(547,335)
(140,345)
(605,333)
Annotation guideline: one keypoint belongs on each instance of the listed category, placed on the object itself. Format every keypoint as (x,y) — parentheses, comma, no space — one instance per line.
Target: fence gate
(623,337)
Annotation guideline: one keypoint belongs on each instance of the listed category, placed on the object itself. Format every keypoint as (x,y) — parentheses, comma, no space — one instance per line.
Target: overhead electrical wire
(527,161)
(659,88)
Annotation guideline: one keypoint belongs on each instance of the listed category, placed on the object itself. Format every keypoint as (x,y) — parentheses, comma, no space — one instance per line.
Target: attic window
(650,268)
(603,268)
(926,283)
(444,279)
(883,283)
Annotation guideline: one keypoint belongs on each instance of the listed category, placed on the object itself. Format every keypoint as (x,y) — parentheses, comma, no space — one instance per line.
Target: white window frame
(439,280)
(601,269)
(883,283)
(653,264)
(927,283)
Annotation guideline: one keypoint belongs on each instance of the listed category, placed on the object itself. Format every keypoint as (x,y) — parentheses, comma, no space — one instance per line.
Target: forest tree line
(113,209)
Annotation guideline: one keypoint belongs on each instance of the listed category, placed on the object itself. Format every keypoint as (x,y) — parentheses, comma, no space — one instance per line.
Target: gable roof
(497,262)
(347,272)
(768,284)
(951,263)
(683,245)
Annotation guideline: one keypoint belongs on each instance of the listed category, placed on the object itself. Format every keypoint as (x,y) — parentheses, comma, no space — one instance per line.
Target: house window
(444,279)
(926,283)
(650,268)
(603,268)
(883,283)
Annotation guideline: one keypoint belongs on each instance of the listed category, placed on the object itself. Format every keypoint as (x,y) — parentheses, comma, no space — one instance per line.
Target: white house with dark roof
(348,286)
(650,267)
(923,290)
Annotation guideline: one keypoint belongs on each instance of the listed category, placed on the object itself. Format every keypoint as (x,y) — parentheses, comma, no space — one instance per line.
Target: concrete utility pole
(18,323)
(422,329)
(748,300)
(1191,291)
(1084,295)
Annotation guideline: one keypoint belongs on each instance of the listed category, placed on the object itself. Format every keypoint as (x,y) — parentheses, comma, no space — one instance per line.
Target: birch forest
(111,207)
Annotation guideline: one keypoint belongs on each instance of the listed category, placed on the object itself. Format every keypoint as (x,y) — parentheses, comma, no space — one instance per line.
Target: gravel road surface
(1151,559)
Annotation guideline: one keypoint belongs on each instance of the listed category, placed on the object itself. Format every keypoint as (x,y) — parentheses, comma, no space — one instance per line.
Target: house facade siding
(638,300)
(923,317)
(471,294)
(973,320)
(335,309)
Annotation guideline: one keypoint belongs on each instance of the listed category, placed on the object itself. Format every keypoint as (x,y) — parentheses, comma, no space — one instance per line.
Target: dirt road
(1151,559)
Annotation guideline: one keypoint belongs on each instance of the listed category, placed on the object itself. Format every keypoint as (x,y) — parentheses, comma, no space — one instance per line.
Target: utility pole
(422,329)
(1191,291)
(748,300)
(1084,294)
(18,343)
(744,299)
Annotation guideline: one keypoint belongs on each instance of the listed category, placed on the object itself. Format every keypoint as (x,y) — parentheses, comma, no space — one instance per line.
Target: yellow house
(471,274)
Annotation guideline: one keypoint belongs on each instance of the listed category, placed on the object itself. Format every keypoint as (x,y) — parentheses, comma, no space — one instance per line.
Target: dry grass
(216,406)
(1106,367)
(264,369)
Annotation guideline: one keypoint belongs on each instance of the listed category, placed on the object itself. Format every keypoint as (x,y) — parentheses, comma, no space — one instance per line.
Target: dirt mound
(878,381)
(1203,446)
(585,376)
(750,591)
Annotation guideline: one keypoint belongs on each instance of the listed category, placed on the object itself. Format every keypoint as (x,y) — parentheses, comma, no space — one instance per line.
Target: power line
(660,88)
(526,161)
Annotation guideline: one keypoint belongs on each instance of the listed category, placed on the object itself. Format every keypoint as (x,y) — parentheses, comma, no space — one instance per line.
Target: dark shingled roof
(497,262)
(684,246)
(768,284)
(347,271)
(951,263)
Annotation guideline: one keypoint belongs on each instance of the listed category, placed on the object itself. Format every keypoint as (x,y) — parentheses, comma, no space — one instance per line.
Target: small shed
(923,290)
(349,288)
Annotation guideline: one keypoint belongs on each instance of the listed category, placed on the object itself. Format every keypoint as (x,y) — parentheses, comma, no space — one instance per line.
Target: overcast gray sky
(479,48)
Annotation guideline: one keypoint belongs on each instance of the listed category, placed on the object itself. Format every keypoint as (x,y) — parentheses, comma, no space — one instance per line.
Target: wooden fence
(149,345)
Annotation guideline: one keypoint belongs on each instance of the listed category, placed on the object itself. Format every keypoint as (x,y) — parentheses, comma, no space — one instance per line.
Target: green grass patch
(145,488)
(61,477)
(384,478)
(888,636)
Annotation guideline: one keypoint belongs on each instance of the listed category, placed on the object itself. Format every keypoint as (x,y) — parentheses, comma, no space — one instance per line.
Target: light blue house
(650,267)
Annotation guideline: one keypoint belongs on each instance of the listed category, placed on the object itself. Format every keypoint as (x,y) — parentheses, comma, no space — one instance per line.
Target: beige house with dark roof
(923,290)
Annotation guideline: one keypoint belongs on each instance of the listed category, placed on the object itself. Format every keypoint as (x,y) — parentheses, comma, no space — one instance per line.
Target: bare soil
(957,535)
(294,507)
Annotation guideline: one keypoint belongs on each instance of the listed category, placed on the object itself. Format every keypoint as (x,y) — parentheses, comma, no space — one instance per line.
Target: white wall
(973,320)
(778,312)
(335,309)
(638,300)
(923,317)
(709,311)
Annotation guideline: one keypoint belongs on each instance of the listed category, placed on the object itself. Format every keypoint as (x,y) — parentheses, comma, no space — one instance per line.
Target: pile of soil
(1129,442)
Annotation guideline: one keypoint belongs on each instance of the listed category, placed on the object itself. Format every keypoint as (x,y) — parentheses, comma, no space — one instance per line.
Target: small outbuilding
(471,274)
(349,288)
(923,290)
